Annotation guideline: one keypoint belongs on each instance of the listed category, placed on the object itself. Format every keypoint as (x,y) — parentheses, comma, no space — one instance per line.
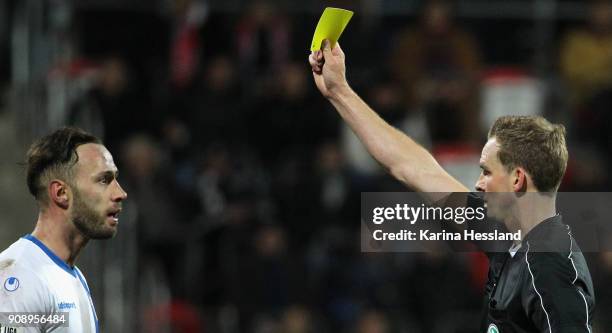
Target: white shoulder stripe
(536,289)
(586,305)
(569,233)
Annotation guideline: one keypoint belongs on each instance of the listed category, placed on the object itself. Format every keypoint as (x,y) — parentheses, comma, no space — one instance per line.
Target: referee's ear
(520,180)
(58,193)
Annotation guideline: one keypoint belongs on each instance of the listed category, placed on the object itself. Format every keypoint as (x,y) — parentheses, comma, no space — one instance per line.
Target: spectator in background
(586,65)
(285,119)
(586,54)
(373,322)
(212,108)
(189,16)
(315,193)
(198,33)
(438,65)
(199,96)
(112,108)
(231,194)
(262,39)
(297,319)
(335,199)
(162,211)
(271,278)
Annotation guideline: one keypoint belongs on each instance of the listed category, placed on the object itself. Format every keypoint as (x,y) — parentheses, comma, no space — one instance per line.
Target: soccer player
(533,286)
(74,180)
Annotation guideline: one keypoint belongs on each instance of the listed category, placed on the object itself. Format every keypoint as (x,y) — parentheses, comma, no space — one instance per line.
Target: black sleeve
(550,296)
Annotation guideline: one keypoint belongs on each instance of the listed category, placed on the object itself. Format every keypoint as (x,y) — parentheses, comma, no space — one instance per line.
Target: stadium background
(244,185)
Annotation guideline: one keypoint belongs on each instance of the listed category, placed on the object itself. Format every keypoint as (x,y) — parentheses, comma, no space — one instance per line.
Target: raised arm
(403,158)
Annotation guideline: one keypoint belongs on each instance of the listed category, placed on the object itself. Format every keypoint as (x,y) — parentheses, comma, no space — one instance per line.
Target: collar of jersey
(542,229)
(62,264)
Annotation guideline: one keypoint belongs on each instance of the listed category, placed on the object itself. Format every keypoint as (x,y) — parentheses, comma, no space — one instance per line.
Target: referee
(541,284)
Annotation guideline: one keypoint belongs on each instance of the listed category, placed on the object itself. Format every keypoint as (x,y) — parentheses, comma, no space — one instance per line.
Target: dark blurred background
(244,186)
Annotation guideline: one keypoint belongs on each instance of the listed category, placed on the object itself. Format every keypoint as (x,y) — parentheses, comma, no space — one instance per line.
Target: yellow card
(330,26)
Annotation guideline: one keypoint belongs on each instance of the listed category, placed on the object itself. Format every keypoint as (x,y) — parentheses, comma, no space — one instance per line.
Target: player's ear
(59,193)
(519,180)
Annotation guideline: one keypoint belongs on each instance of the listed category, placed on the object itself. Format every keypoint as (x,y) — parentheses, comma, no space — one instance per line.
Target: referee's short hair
(53,157)
(533,143)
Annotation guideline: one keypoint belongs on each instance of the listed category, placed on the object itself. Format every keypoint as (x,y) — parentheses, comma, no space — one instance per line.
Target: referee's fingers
(314,63)
(312,60)
(327,53)
(337,51)
(319,55)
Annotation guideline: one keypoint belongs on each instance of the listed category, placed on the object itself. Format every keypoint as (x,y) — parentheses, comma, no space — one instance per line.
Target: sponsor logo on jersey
(66,305)
(11,284)
(492,329)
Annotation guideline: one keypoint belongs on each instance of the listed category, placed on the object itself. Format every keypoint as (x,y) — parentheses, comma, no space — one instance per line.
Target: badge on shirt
(492,329)
(11,284)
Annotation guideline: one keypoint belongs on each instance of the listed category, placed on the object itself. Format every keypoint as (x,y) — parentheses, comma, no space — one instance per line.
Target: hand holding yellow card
(330,26)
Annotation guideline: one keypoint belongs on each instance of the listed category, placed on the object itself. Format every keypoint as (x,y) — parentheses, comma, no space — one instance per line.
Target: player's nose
(479,186)
(119,194)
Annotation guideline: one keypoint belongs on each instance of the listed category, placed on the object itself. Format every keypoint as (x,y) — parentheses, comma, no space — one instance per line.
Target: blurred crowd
(245,185)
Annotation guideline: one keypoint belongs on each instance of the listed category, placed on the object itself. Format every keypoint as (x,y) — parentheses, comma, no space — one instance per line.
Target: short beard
(89,223)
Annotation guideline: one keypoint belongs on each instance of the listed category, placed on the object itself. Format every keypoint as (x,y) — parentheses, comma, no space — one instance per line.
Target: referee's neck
(530,210)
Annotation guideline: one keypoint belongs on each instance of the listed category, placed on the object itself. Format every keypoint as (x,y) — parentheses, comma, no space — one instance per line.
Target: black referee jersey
(541,285)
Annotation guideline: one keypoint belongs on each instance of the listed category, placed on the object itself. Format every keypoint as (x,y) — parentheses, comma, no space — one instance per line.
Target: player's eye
(106,180)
